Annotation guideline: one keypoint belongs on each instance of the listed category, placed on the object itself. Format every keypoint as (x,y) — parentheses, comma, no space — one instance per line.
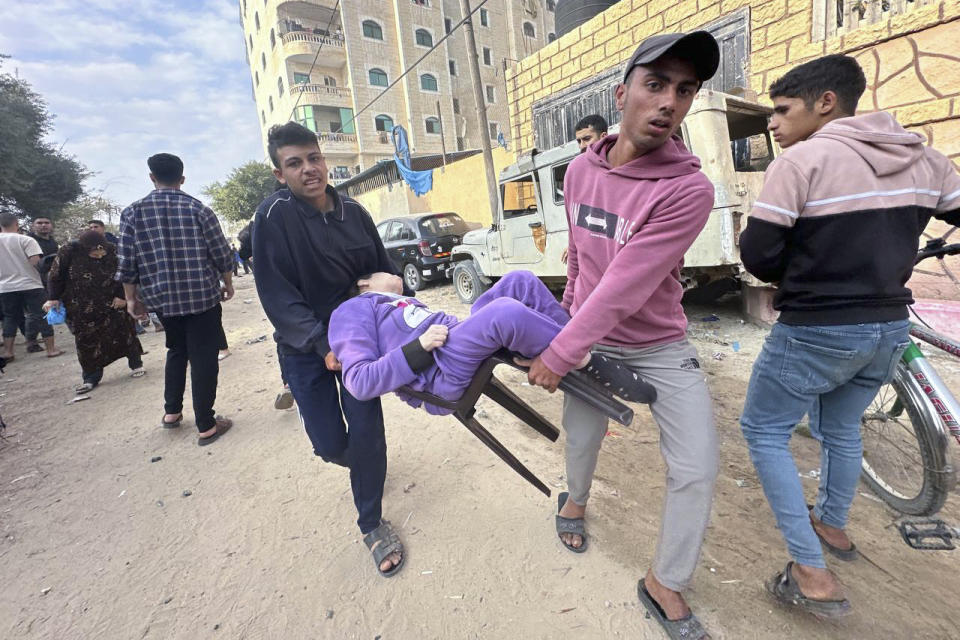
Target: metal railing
(315,38)
(327,137)
(844,16)
(320,90)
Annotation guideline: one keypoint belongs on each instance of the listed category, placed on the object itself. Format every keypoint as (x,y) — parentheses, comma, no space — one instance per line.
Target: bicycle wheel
(905,459)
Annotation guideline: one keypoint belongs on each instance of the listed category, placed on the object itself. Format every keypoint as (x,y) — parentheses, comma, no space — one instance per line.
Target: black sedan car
(420,244)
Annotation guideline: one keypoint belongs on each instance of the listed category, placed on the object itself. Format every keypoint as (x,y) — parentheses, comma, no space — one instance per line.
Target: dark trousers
(192,339)
(29,304)
(323,402)
(246,266)
(134,360)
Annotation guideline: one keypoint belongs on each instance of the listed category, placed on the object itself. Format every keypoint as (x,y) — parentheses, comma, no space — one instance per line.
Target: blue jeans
(832,373)
(323,402)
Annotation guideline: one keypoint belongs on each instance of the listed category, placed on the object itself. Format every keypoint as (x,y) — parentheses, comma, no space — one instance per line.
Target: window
(443,225)
(306,116)
(551,5)
(270,103)
(487,56)
(519,197)
(491,97)
(273,39)
(372,30)
(263,60)
(461,144)
(256,78)
(301,78)
(256,20)
(382,230)
(383,123)
(251,42)
(329,81)
(433,125)
(551,37)
(558,172)
(423,37)
(378,77)
(447,25)
(421,3)
(456,105)
(453,67)
(528,30)
(244,6)
(494,130)
(263,117)
(280,86)
(484,18)
(428,82)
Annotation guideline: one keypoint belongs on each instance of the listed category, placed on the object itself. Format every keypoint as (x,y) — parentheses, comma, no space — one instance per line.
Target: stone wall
(912,61)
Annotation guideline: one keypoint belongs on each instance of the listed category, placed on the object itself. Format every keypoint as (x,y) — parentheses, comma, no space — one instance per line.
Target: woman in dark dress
(82,279)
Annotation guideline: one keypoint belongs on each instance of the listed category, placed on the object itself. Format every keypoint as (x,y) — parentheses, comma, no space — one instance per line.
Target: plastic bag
(56,315)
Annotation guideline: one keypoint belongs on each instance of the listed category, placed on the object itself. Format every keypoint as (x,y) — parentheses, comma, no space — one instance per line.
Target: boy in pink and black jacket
(836,227)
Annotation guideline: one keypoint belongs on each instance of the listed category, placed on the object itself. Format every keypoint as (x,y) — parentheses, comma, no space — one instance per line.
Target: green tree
(74,216)
(35,178)
(238,197)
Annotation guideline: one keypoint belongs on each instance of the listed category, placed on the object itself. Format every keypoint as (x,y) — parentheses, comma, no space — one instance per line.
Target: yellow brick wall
(912,61)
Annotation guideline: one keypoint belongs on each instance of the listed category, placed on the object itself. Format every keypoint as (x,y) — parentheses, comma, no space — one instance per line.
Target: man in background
(21,289)
(172,256)
(97,225)
(42,232)
(589,130)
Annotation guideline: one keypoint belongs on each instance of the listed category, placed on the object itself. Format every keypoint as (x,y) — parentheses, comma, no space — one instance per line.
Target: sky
(130,78)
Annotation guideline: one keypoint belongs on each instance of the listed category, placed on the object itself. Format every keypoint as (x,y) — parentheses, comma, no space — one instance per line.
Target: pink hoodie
(629,228)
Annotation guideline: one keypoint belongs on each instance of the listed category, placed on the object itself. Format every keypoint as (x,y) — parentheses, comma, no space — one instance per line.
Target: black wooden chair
(485,383)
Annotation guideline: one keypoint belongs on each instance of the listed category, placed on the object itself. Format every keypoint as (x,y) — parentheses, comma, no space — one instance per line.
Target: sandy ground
(100,542)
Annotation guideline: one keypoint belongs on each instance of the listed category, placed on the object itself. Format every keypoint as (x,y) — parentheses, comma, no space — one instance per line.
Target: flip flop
(171,425)
(54,355)
(284,399)
(785,589)
(570,525)
(847,555)
(223,425)
(139,372)
(686,628)
(86,387)
(389,543)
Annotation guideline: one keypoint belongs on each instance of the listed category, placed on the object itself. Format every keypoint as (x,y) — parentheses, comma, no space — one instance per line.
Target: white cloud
(129,79)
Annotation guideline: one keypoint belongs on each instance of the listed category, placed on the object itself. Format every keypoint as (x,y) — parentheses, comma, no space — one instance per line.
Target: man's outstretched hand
(435,336)
(539,374)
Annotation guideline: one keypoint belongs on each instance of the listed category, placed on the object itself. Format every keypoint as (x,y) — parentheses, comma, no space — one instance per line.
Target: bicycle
(906,430)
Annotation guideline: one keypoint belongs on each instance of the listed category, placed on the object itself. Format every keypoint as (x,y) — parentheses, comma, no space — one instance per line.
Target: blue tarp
(420,181)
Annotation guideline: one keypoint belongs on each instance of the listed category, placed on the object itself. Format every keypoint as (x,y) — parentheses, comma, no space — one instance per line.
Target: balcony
(322,94)
(337,143)
(300,44)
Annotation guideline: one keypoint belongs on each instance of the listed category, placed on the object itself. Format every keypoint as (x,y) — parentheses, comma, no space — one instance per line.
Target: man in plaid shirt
(172,257)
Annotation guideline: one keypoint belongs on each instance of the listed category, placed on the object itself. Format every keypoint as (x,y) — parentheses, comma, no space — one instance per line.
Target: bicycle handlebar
(937,248)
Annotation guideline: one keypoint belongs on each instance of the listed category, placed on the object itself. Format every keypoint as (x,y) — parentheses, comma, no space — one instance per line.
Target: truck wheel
(467,282)
(412,277)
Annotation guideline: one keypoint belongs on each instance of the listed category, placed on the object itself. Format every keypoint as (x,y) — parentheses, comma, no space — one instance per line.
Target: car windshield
(447,224)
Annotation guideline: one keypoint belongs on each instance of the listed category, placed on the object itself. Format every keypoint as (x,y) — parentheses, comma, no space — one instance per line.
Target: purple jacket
(367,334)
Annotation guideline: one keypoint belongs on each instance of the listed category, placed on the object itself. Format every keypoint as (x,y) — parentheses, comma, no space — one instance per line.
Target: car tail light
(425,248)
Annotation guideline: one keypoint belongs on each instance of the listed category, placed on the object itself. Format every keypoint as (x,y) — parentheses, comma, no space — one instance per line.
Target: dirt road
(100,542)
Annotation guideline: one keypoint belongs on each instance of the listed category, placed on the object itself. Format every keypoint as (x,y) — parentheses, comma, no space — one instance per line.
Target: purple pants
(518,313)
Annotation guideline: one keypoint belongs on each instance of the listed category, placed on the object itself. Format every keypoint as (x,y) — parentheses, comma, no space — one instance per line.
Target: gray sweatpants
(688,444)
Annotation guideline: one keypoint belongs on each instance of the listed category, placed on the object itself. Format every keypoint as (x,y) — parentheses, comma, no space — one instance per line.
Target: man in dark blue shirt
(311,247)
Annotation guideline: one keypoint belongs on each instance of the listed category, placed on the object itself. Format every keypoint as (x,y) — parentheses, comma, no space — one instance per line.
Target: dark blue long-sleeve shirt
(308,261)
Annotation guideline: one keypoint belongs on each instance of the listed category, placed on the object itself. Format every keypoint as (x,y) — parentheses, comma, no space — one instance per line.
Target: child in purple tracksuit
(377,338)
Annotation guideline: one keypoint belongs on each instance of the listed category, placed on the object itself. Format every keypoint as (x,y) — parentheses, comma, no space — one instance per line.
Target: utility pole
(481,109)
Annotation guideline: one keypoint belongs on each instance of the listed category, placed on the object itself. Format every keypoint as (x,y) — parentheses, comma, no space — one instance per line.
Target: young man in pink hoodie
(836,226)
(635,203)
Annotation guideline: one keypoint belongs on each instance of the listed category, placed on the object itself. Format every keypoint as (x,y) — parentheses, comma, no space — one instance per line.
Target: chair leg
(494,445)
(507,399)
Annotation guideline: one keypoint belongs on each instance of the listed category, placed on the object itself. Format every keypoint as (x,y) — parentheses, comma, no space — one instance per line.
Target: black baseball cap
(699,47)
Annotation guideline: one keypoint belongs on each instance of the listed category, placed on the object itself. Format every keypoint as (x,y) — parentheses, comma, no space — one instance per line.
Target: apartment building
(321,64)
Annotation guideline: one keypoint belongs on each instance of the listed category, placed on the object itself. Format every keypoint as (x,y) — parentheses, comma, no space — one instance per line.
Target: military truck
(728,133)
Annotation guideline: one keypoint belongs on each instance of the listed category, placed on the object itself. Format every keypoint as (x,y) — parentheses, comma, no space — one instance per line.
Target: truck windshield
(749,138)
(519,197)
(447,224)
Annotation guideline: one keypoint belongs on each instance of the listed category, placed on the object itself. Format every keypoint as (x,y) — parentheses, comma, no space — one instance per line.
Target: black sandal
(686,628)
(389,543)
(785,589)
(171,425)
(574,526)
(619,379)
